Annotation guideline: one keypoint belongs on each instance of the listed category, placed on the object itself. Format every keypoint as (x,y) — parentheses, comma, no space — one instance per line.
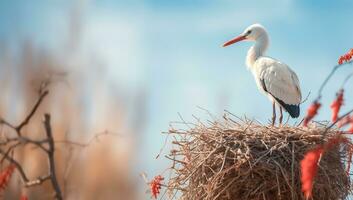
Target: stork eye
(249,31)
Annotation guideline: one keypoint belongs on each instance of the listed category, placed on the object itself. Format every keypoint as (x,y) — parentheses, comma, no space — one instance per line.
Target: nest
(246,160)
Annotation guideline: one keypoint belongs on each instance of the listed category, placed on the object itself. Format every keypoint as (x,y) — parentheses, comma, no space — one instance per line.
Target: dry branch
(22,140)
(51,161)
(46,144)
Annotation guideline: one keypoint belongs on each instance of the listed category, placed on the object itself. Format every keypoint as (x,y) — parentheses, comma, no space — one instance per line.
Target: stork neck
(257,50)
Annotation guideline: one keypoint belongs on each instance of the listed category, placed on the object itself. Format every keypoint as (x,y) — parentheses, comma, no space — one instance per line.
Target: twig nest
(246,160)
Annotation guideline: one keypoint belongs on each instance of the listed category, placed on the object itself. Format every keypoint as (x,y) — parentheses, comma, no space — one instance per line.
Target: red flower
(309,164)
(155,186)
(308,167)
(5,176)
(311,112)
(336,105)
(335,141)
(23,197)
(346,57)
(340,61)
(344,121)
(350,130)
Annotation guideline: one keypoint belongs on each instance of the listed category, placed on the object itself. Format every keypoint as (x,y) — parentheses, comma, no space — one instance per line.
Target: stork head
(252,33)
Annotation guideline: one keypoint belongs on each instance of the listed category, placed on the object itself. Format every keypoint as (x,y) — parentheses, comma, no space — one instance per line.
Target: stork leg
(273,113)
(280,115)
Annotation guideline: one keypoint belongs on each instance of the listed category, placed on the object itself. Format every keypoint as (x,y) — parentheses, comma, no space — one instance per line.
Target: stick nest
(246,160)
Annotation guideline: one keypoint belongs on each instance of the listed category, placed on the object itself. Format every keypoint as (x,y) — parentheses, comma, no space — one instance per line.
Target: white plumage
(274,78)
(279,80)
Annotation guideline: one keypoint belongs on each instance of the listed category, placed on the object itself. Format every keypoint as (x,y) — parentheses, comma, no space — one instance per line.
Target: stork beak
(235,40)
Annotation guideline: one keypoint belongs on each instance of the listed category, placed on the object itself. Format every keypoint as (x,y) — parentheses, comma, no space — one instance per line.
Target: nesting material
(243,160)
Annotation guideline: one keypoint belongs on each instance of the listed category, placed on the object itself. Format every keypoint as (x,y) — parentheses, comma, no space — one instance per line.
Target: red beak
(235,40)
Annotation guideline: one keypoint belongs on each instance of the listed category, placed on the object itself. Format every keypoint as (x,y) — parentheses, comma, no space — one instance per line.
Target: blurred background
(132,67)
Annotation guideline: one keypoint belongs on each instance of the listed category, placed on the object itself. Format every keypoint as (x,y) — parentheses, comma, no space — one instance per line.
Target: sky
(172,51)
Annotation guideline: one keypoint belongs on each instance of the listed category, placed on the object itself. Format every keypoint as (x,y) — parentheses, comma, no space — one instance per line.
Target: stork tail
(293,110)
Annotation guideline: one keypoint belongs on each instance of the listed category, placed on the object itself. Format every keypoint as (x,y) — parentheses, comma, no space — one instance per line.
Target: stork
(274,78)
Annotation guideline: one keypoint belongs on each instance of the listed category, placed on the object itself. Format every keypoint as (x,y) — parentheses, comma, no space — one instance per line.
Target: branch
(24,140)
(89,142)
(25,179)
(41,143)
(37,181)
(334,123)
(346,80)
(50,152)
(34,109)
(329,76)
(17,164)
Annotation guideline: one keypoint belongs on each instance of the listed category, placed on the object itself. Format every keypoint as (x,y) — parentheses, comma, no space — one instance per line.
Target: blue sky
(171,49)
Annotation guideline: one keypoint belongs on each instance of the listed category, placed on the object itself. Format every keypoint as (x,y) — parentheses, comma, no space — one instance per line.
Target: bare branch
(34,109)
(17,164)
(47,144)
(50,152)
(37,181)
(90,141)
(329,76)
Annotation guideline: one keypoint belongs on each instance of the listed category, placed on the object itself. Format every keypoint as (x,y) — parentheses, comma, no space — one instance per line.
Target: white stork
(274,78)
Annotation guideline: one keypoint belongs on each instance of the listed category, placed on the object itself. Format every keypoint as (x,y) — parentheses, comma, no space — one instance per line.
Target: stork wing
(281,82)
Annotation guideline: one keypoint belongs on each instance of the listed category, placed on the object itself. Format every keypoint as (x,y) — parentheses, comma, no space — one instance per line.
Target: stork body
(274,78)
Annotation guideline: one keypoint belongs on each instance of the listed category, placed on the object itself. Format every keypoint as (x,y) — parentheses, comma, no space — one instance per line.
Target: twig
(50,152)
(90,141)
(306,98)
(328,78)
(37,181)
(334,123)
(34,109)
(346,79)
(38,143)
(17,164)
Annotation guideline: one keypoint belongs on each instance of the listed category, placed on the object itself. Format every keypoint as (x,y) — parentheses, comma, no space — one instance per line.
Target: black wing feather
(293,110)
